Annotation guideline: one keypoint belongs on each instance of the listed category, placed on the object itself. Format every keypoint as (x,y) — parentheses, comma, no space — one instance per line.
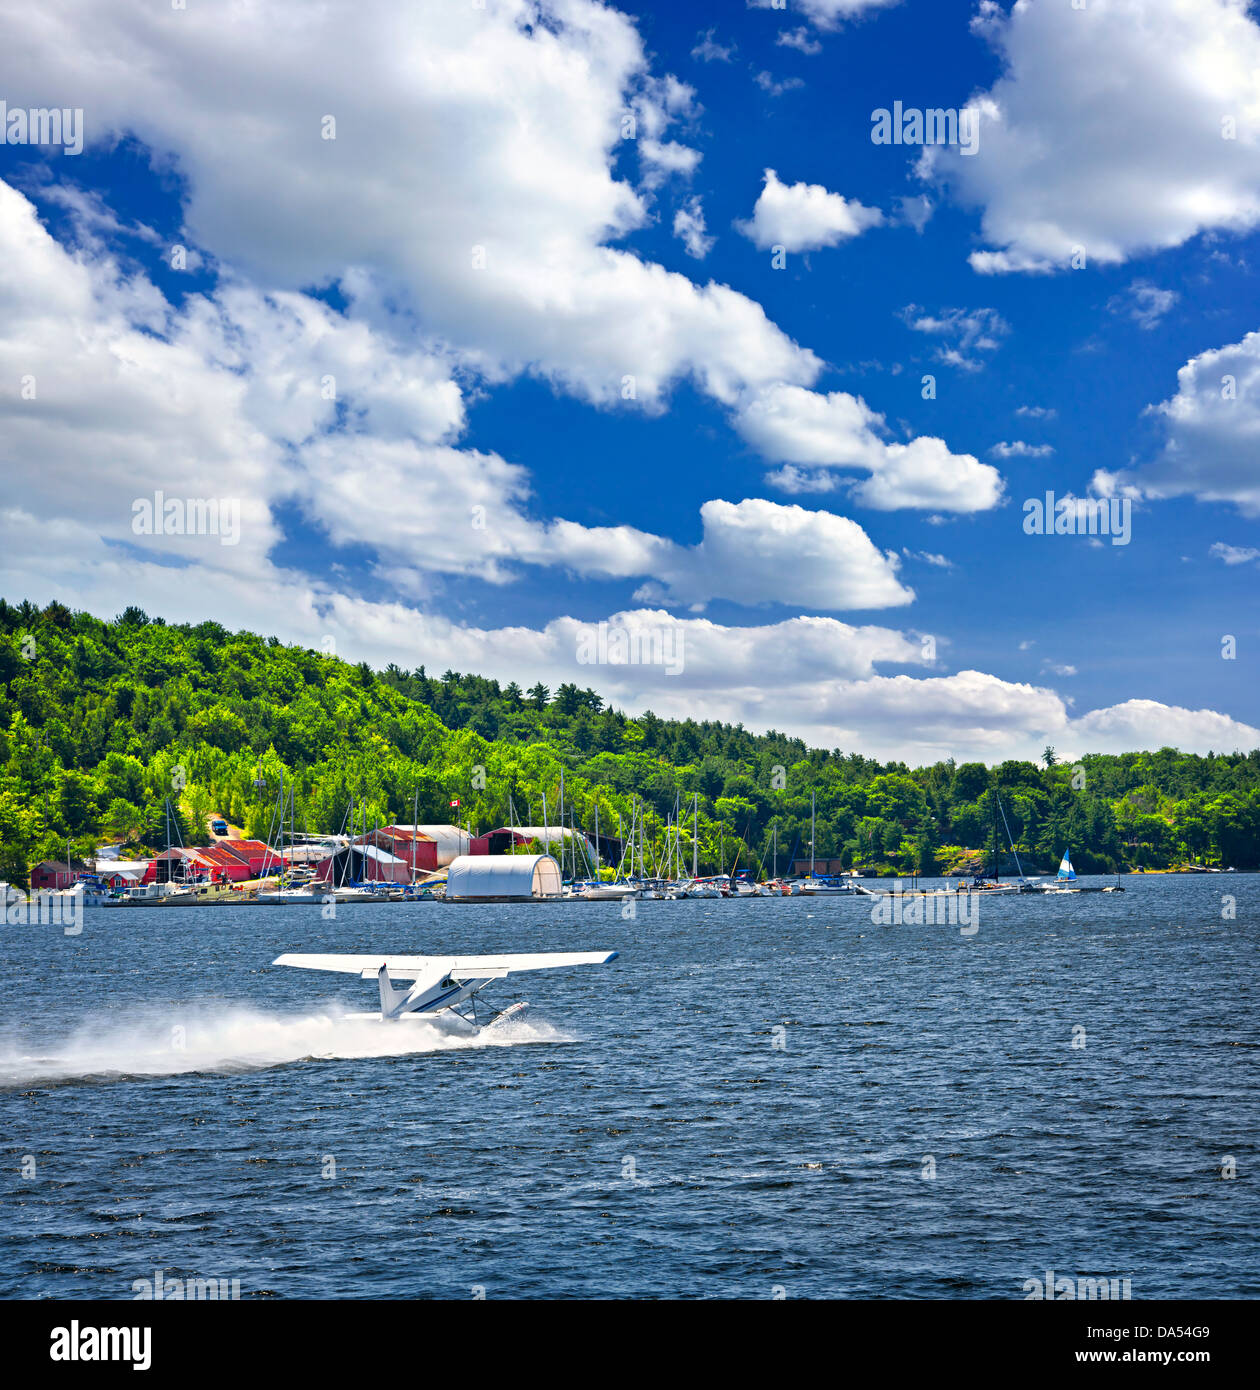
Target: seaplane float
(443,989)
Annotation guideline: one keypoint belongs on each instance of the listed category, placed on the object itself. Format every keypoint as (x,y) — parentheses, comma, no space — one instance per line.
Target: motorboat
(829,885)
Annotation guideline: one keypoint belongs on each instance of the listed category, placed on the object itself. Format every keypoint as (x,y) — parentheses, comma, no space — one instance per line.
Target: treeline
(102,722)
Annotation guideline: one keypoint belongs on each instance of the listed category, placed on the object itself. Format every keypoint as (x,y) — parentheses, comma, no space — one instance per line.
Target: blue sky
(479,489)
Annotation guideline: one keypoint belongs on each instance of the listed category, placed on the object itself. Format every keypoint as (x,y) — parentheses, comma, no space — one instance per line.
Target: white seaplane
(444,988)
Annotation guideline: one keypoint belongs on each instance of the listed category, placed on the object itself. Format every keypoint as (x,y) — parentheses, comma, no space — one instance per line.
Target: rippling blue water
(643,1134)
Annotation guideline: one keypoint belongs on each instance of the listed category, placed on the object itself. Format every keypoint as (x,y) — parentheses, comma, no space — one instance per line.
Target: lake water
(751,1100)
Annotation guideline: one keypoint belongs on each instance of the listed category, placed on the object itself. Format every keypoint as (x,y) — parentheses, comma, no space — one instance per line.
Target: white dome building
(503,878)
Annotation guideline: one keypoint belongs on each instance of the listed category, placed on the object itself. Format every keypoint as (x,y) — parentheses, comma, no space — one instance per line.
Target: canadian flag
(455,802)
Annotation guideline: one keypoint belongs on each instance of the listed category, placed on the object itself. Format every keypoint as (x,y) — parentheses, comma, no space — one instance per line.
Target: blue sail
(1066,871)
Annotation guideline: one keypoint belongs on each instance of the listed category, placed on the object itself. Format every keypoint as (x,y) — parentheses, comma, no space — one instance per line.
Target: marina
(777,1056)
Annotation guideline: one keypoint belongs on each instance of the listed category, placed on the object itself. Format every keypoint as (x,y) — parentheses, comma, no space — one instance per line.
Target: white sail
(1066,871)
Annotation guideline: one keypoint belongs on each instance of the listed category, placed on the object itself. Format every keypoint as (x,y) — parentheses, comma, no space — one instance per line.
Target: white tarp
(134,869)
(503,876)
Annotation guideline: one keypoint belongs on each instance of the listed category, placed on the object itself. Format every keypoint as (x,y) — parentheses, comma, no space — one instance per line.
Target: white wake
(233,1039)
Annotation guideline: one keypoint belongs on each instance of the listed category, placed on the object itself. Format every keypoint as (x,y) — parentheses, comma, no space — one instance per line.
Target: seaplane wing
(420,967)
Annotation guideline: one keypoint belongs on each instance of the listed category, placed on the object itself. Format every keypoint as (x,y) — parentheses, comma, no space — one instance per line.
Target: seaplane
(443,989)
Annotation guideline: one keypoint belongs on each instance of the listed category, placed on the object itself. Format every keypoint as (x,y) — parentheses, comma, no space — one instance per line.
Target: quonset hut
(508,878)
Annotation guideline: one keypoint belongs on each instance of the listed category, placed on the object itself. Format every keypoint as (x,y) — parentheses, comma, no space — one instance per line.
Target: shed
(54,873)
(360,863)
(506,878)
(422,847)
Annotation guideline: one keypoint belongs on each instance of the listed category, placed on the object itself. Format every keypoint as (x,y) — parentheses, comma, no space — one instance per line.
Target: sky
(482,324)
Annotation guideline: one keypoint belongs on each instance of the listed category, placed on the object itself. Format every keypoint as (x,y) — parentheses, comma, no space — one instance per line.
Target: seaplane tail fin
(390,997)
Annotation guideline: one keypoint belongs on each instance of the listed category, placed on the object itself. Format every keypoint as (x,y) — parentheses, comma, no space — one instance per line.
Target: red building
(416,849)
(225,861)
(52,873)
(362,863)
(423,848)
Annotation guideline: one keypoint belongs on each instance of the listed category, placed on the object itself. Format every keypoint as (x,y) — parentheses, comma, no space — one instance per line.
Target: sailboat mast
(812,819)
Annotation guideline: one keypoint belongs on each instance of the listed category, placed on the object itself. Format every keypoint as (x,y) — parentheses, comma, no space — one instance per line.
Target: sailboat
(1023,883)
(1065,876)
(826,885)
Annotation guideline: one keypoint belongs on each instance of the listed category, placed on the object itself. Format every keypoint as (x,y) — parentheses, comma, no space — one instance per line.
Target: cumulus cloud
(1148,724)
(814,434)
(1211,433)
(274,399)
(757,551)
(524,126)
(519,124)
(689,228)
(1117,128)
(804,217)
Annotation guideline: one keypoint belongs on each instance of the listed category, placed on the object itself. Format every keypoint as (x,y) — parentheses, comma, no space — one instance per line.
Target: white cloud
(1018,449)
(757,551)
(928,558)
(772,86)
(1212,433)
(708,50)
(800,39)
(824,432)
(268,399)
(827,14)
(1147,724)
(1143,302)
(1036,412)
(520,123)
(915,211)
(964,333)
(1105,131)
(690,229)
(804,217)
(1234,554)
(668,157)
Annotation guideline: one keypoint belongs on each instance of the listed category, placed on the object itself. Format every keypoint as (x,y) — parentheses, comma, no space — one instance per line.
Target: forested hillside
(100,722)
